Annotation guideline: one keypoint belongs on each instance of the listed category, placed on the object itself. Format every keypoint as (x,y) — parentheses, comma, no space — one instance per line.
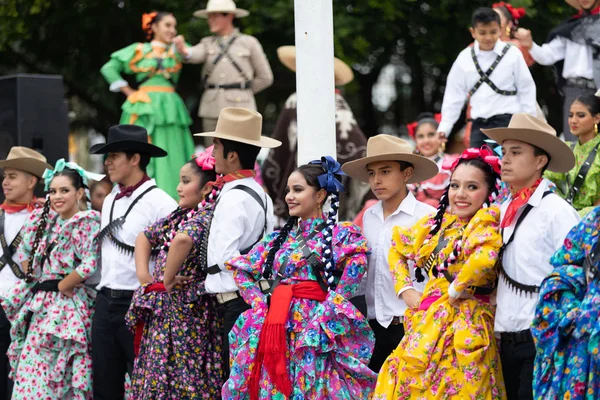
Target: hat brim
(264,142)
(238,13)
(342,72)
(128,146)
(424,168)
(561,155)
(30,165)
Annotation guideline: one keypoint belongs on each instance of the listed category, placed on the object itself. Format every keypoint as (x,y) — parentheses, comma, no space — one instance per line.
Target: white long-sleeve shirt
(13,223)
(511,73)
(578,57)
(527,258)
(237,223)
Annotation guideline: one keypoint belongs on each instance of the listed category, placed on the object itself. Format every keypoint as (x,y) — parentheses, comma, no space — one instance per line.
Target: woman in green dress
(155,105)
(581,185)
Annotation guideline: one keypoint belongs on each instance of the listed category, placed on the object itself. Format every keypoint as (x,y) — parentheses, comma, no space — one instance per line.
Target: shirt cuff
(189,51)
(404,289)
(452,291)
(117,85)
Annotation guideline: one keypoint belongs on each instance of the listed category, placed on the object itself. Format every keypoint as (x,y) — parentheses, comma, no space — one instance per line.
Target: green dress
(589,192)
(155,106)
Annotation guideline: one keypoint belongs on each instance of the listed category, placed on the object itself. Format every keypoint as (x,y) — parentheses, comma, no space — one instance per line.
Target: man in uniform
(235,65)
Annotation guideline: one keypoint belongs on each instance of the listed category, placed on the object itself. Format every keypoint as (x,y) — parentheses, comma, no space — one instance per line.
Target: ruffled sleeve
(247,270)
(117,65)
(154,232)
(29,228)
(86,248)
(482,241)
(579,241)
(406,242)
(350,251)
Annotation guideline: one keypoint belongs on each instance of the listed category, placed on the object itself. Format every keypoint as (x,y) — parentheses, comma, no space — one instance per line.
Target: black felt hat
(128,138)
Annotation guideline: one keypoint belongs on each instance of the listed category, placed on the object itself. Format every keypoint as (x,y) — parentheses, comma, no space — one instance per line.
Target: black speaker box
(33,113)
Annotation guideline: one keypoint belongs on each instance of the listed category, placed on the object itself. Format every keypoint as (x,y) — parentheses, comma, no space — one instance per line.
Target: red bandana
(127,191)
(582,13)
(519,199)
(11,208)
(234,176)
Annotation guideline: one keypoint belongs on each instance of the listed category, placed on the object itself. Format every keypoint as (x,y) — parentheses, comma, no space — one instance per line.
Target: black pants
(360,302)
(386,341)
(230,312)
(497,121)
(112,349)
(517,367)
(5,383)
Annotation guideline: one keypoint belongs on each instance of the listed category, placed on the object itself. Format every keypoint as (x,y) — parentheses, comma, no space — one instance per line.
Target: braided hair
(493,182)
(77,182)
(276,245)
(178,218)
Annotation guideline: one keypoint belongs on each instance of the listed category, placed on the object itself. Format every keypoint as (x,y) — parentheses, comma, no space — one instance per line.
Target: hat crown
(527,121)
(240,122)
(220,5)
(127,132)
(387,144)
(19,152)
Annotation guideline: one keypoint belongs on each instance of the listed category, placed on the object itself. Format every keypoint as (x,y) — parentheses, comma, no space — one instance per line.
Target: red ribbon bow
(517,13)
(469,154)
(205,160)
(412,127)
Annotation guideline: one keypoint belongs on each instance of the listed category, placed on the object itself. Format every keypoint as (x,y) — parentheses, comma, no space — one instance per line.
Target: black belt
(50,285)
(517,337)
(116,294)
(227,86)
(492,118)
(583,83)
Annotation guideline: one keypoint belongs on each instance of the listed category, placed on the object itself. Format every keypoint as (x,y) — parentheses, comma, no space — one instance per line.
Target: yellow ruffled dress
(448,352)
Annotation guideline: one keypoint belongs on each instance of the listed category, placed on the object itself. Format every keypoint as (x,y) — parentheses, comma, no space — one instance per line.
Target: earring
(595,129)
(508,31)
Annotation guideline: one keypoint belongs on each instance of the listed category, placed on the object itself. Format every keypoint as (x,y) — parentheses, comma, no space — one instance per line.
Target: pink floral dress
(329,343)
(52,360)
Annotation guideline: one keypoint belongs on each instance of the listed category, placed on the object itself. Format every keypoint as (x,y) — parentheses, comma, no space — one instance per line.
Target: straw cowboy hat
(342,72)
(27,160)
(529,129)
(241,125)
(390,148)
(221,6)
(128,138)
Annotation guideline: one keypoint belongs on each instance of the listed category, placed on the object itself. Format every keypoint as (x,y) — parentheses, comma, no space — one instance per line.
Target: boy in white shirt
(534,224)
(23,168)
(492,75)
(388,167)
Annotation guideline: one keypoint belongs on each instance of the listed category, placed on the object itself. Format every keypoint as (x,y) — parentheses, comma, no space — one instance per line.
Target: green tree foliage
(75,37)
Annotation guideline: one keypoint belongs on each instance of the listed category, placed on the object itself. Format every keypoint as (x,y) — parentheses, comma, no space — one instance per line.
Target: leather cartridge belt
(223,298)
(397,320)
(227,86)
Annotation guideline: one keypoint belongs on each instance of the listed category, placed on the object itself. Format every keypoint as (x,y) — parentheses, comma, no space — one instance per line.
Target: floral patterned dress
(448,352)
(180,351)
(52,360)
(566,326)
(329,343)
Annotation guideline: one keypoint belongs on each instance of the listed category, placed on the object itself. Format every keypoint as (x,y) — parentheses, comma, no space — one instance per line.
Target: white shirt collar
(498,47)
(536,197)
(407,206)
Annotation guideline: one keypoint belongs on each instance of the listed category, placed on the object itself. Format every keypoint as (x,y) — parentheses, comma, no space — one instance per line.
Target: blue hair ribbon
(328,181)
(61,165)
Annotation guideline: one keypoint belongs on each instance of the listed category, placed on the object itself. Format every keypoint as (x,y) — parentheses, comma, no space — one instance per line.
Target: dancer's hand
(179,280)
(524,37)
(412,298)
(180,45)
(66,291)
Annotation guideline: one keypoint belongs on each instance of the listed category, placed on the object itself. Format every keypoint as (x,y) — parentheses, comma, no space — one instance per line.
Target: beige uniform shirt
(249,55)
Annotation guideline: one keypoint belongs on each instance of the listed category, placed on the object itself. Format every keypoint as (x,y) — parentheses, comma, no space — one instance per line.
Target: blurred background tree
(400,51)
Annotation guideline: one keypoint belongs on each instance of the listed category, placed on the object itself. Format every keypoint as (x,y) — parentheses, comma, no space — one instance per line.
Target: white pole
(314,79)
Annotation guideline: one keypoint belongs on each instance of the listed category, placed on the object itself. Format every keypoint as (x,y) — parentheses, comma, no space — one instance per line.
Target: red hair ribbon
(147,20)
(517,13)
(412,127)
(205,160)
(469,154)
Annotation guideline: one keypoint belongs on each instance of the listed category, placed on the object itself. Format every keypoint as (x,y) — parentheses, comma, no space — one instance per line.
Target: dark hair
(426,118)
(157,18)
(77,182)
(144,159)
(311,173)
(493,182)
(590,101)
(484,16)
(507,14)
(205,175)
(541,152)
(247,153)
